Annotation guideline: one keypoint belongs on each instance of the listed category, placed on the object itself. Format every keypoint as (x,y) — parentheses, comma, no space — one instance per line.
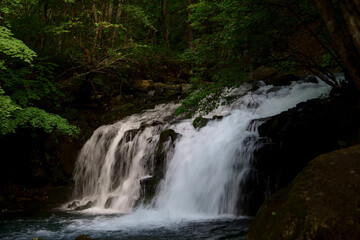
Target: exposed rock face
(165,146)
(323,202)
(288,141)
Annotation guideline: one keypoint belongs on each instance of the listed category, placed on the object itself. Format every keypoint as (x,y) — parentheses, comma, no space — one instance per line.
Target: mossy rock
(323,202)
(200,122)
(166,135)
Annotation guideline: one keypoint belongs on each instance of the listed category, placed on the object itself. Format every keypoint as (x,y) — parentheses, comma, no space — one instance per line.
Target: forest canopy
(51,48)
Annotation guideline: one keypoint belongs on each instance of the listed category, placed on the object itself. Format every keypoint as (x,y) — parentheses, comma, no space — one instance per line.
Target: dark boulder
(288,141)
(322,202)
(89,204)
(148,188)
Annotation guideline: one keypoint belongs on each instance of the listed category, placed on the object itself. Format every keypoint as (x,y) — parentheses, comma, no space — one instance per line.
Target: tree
(346,40)
(21,88)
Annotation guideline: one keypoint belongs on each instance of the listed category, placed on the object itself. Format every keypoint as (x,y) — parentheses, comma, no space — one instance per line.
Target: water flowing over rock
(113,161)
(289,140)
(178,169)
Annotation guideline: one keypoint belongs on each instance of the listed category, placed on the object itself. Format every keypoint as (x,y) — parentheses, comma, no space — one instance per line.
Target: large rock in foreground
(323,202)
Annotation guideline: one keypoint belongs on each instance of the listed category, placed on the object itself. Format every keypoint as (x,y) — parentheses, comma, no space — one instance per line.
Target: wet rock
(73,204)
(109,202)
(322,202)
(164,147)
(130,134)
(217,117)
(83,237)
(148,188)
(200,122)
(86,206)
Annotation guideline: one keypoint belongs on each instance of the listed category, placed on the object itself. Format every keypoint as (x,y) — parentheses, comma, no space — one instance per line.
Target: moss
(200,122)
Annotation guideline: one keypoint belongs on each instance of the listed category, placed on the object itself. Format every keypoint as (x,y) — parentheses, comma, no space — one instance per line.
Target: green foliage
(13,47)
(13,117)
(7,109)
(234,37)
(26,85)
(110,43)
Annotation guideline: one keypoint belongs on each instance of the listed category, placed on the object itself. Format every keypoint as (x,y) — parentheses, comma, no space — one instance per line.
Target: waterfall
(203,168)
(117,157)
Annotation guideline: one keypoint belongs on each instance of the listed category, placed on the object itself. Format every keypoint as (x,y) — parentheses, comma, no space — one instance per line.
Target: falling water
(202,172)
(206,167)
(114,160)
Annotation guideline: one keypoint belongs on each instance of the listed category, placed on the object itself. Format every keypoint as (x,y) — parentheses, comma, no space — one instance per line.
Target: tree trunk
(166,23)
(117,20)
(351,12)
(96,35)
(341,40)
(189,29)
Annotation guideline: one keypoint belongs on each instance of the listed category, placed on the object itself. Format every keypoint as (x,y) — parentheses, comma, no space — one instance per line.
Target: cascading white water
(206,167)
(116,157)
